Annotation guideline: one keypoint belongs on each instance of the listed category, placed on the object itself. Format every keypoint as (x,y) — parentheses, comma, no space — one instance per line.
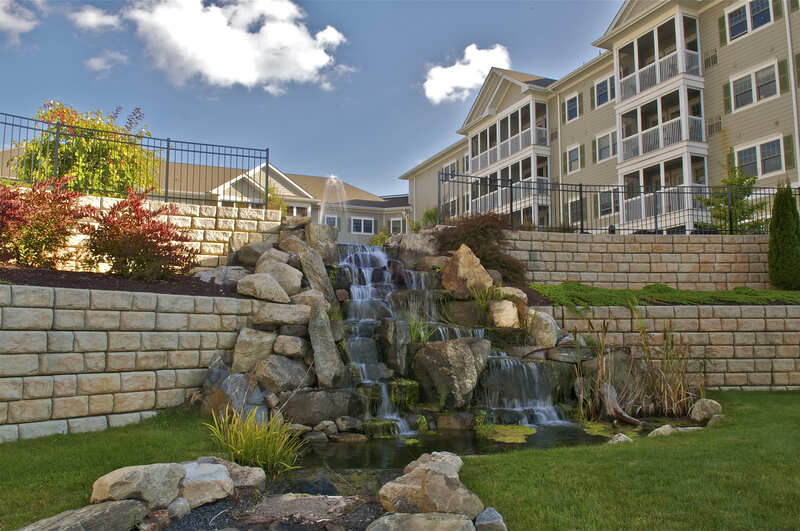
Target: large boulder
(297,511)
(313,298)
(250,253)
(515,293)
(279,373)
(328,364)
(411,247)
(323,238)
(446,463)
(241,476)
(271,314)
(490,520)
(450,369)
(704,409)
(429,491)
(464,273)
(662,431)
(262,286)
(225,276)
(503,314)
(251,346)
(291,346)
(156,485)
(466,313)
(395,337)
(543,328)
(313,406)
(238,391)
(205,483)
(289,278)
(107,516)
(422,522)
(317,275)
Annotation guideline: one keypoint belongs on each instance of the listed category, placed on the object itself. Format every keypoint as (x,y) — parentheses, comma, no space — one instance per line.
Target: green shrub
(270,445)
(430,218)
(784,241)
(483,235)
(380,239)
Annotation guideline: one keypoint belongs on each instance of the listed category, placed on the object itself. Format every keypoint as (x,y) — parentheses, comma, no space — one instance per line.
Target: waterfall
(515,392)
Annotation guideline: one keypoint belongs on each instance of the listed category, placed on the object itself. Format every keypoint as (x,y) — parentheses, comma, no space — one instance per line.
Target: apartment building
(679,89)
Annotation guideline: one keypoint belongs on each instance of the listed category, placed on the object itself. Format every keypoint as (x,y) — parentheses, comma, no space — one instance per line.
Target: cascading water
(515,392)
(370,291)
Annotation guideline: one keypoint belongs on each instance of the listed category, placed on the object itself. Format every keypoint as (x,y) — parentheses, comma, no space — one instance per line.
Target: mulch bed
(534,297)
(14,274)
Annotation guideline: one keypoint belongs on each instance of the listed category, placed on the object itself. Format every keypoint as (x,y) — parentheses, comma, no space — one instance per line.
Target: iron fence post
(580,202)
(266,180)
(511,204)
(730,212)
(439,198)
(55,156)
(166,175)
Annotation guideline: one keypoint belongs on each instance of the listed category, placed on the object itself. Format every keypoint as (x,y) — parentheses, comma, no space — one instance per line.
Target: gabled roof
(629,12)
(315,186)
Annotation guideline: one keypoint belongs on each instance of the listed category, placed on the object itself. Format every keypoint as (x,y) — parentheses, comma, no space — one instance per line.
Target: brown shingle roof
(316,187)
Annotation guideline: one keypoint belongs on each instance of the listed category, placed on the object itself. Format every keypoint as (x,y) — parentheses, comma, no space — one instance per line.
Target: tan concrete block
(169,398)
(159,341)
(139,401)
(191,340)
(65,385)
(60,341)
(173,322)
(138,381)
(183,359)
(38,387)
(102,320)
(204,322)
(144,302)
(21,342)
(11,388)
(101,404)
(69,320)
(64,363)
(31,296)
(137,321)
(151,360)
(73,406)
(91,384)
(111,300)
(95,361)
(121,361)
(29,410)
(190,377)
(165,379)
(71,299)
(90,341)
(124,341)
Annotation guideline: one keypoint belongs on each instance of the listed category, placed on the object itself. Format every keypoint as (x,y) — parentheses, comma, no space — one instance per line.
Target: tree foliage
(100,155)
(784,241)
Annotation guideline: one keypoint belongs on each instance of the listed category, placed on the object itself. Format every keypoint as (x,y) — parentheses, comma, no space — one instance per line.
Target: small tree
(98,154)
(784,241)
(731,205)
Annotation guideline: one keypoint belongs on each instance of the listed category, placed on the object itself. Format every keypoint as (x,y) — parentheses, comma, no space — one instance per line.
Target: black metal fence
(107,162)
(543,205)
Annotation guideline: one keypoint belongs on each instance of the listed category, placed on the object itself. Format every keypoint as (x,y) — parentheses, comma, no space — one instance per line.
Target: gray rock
(205,483)
(282,314)
(293,330)
(490,520)
(226,276)
(296,222)
(497,278)
(619,438)
(446,463)
(315,437)
(543,328)
(107,516)
(422,522)
(717,419)
(287,276)
(277,255)
(503,314)
(302,510)
(349,424)
(704,409)
(686,429)
(663,431)
(395,338)
(317,275)
(348,438)
(337,329)
(451,369)
(312,407)
(279,373)
(464,274)
(516,293)
(313,298)
(428,491)
(178,508)
(323,238)
(328,427)
(290,346)
(328,363)
(300,429)
(262,286)
(411,247)
(342,295)
(157,484)
(251,347)
(250,253)
(432,263)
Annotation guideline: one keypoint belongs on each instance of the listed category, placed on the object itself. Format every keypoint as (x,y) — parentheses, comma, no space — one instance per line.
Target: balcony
(538,136)
(662,136)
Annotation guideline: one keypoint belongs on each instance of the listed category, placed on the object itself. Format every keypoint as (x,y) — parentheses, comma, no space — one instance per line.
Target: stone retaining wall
(704,262)
(214,231)
(75,360)
(731,347)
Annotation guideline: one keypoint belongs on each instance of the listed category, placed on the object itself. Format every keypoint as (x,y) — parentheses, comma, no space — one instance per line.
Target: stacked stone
(76,360)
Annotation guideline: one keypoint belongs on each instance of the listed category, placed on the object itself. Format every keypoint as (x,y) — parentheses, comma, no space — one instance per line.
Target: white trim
(363,219)
(607,80)
(757,144)
(392,220)
(751,72)
(335,221)
(577,108)
(750,31)
(570,148)
(611,155)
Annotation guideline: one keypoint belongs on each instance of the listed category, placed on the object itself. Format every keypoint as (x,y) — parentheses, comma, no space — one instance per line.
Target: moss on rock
(404,393)
(379,428)
(512,433)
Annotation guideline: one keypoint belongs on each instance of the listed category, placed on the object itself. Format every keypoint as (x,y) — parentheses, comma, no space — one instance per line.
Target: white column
(683,98)
(680,42)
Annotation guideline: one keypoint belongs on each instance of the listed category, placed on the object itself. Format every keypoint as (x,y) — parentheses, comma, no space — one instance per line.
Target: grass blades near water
(574,296)
(744,474)
(43,477)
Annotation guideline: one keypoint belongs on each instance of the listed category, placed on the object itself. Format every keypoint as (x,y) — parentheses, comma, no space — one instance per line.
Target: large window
(606,146)
(761,159)
(608,202)
(755,86)
(604,92)
(296,211)
(748,17)
(362,225)
(573,159)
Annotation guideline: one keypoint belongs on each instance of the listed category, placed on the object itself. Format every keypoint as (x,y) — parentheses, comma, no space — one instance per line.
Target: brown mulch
(534,297)
(14,274)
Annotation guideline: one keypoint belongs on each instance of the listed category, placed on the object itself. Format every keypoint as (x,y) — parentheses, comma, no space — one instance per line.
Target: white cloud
(93,18)
(457,81)
(16,19)
(103,63)
(247,42)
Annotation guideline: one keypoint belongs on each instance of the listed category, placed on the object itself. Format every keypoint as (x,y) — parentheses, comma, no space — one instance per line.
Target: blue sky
(348,96)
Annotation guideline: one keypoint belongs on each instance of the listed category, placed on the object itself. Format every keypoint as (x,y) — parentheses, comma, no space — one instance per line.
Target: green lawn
(42,477)
(744,474)
(741,475)
(575,295)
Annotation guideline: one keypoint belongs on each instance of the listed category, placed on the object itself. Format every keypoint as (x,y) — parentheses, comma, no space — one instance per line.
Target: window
(451,208)
(573,160)
(608,202)
(763,80)
(396,225)
(606,146)
(604,92)
(572,108)
(332,221)
(575,211)
(466,163)
(362,225)
(748,17)
(292,211)
(761,159)
(449,171)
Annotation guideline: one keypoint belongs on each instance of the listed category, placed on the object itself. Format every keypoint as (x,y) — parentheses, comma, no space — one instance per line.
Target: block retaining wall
(704,262)
(214,231)
(730,347)
(77,360)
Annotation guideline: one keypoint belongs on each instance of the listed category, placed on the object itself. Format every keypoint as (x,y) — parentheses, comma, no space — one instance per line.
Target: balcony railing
(666,134)
(627,86)
(662,70)
(696,129)
(538,135)
(671,132)
(647,77)
(692,62)
(668,67)
(542,137)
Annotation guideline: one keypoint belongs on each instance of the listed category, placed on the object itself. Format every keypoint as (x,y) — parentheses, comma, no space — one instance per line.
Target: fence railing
(107,162)
(537,203)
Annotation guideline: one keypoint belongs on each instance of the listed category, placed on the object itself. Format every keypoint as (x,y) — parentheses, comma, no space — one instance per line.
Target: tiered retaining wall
(731,347)
(704,262)
(214,231)
(76,360)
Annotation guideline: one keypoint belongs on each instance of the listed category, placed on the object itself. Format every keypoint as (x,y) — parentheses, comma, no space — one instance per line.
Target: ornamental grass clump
(784,241)
(271,445)
(138,242)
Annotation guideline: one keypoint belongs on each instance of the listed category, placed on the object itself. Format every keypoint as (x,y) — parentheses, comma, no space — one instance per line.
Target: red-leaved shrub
(137,244)
(36,222)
